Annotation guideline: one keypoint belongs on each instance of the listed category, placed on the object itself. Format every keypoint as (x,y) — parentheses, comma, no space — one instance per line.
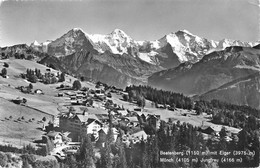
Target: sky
(23,21)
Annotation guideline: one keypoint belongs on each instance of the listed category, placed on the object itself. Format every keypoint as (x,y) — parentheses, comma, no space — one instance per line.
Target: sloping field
(12,130)
(37,106)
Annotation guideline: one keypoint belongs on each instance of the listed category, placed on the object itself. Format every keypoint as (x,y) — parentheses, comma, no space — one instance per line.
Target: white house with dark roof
(134,137)
(91,126)
(130,121)
(80,124)
(123,112)
(56,137)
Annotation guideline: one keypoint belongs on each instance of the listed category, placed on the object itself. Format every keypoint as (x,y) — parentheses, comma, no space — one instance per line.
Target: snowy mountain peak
(35,43)
(185,32)
(77,29)
(118,31)
(187,46)
(120,35)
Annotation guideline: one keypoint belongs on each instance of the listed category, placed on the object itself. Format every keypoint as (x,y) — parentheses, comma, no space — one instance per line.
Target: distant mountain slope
(214,70)
(22,51)
(113,69)
(242,91)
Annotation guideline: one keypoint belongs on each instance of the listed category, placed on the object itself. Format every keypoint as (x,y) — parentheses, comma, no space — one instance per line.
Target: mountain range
(180,62)
(168,51)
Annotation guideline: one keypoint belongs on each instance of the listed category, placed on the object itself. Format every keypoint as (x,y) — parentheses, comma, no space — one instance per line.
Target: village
(92,111)
(64,111)
(89,111)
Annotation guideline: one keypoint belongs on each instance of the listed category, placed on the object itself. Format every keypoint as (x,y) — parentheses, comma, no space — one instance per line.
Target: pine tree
(76,85)
(4,72)
(243,139)
(110,135)
(49,146)
(87,157)
(145,156)
(62,77)
(106,161)
(30,86)
(26,164)
(122,157)
(155,151)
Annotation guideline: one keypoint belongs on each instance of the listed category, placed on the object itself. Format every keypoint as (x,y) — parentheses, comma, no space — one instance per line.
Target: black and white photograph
(129,83)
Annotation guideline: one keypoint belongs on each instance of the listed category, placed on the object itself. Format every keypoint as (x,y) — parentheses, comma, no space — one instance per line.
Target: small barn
(60,94)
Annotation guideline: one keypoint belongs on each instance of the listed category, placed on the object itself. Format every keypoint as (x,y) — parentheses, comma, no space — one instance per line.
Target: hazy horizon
(26,21)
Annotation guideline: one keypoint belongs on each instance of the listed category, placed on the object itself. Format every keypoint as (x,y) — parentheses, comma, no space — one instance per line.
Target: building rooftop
(53,133)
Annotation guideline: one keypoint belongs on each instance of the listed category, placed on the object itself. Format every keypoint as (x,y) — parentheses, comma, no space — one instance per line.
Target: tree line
(158,97)
(229,114)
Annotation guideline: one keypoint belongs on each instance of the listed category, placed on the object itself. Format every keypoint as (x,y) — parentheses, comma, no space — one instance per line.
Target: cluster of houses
(85,96)
(95,120)
(73,126)
(79,124)
(87,121)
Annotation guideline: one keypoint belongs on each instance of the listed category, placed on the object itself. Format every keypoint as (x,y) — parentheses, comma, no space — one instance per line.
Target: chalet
(56,137)
(71,93)
(122,112)
(100,93)
(131,121)
(78,102)
(84,89)
(227,138)
(92,91)
(79,96)
(73,97)
(26,89)
(60,94)
(207,130)
(138,136)
(91,126)
(138,109)
(103,117)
